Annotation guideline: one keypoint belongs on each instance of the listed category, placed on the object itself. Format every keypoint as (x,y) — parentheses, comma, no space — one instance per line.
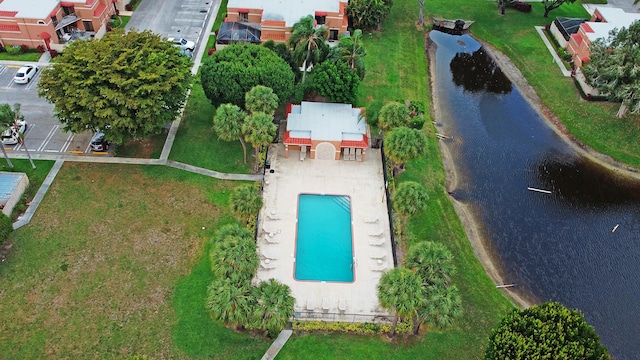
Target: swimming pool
(324,245)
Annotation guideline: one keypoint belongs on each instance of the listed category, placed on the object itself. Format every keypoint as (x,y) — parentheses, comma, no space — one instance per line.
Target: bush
(417,122)
(41,49)
(211,51)
(24,48)
(53,53)
(128,7)
(404,327)
(523,7)
(13,50)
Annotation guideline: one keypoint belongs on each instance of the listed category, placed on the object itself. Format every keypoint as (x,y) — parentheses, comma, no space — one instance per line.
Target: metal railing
(328,316)
(389,205)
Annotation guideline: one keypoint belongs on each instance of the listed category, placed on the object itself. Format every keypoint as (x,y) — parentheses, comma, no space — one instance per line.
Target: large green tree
(308,43)
(336,82)
(409,199)
(546,331)
(368,14)
(227,123)
(350,50)
(230,73)
(393,115)
(441,307)
(285,54)
(124,84)
(246,201)
(235,258)
(403,144)
(259,130)
(400,290)
(613,67)
(274,306)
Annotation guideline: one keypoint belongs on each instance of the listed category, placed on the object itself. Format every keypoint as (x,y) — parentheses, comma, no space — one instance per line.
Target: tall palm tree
(227,123)
(308,43)
(17,116)
(259,130)
(274,306)
(409,199)
(230,302)
(350,50)
(433,262)
(261,99)
(400,291)
(442,306)
(246,201)
(404,144)
(235,258)
(7,117)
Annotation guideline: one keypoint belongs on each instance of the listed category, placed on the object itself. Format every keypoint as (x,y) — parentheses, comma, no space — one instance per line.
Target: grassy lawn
(120,272)
(198,145)
(149,148)
(28,56)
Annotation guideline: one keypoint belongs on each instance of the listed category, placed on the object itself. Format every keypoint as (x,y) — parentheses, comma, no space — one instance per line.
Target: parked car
(11,136)
(183,44)
(98,142)
(25,74)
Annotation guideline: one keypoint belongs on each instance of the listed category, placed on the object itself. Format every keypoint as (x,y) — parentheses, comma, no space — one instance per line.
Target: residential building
(603,20)
(276,17)
(327,131)
(52,23)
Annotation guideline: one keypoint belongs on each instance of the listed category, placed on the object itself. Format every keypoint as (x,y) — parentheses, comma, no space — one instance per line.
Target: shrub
(13,50)
(417,122)
(404,327)
(24,48)
(523,7)
(211,51)
(53,53)
(41,49)
(128,7)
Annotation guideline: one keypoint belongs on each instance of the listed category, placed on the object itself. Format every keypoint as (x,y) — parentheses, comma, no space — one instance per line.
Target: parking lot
(44,133)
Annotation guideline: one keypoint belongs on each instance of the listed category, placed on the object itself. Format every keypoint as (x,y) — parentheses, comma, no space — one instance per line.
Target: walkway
(277,345)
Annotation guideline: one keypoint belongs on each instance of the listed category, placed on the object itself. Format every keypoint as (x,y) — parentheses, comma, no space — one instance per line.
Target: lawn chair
(378,232)
(377,241)
(268,255)
(342,305)
(380,266)
(325,304)
(271,239)
(358,154)
(371,219)
(273,216)
(311,304)
(378,254)
(267,264)
(270,231)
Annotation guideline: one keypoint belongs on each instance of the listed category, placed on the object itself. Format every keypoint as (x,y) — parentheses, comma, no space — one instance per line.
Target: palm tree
(404,144)
(227,123)
(235,258)
(400,290)
(393,115)
(350,50)
(409,199)
(259,130)
(433,262)
(246,201)
(261,99)
(274,306)
(230,302)
(7,118)
(19,117)
(442,306)
(308,43)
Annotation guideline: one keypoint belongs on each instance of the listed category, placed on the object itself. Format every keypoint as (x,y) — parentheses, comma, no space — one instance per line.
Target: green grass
(222,14)
(28,56)
(124,20)
(113,264)
(36,178)
(149,148)
(198,145)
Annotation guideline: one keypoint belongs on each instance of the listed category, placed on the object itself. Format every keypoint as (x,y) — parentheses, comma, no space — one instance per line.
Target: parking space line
(65,147)
(48,138)
(86,151)
(33,80)
(31,126)
(3,69)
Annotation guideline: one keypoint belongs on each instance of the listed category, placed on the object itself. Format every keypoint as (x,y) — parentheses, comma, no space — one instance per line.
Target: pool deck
(364,183)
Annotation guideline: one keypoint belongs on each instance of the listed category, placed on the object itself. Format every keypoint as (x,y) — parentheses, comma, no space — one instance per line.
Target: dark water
(557,246)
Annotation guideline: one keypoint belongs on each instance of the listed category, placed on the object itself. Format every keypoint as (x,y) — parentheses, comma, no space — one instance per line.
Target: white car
(25,74)
(11,136)
(182,43)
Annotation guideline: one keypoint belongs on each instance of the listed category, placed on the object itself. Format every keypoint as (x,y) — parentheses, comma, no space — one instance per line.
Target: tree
(230,302)
(613,67)
(17,116)
(554,4)
(546,331)
(336,82)
(393,115)
(350,50)
(368,14)
(433,262)
(441,307)
(7,119)
(274,306)
(125,85)
(409,199)
(246,201)
(235,258)
(403,144)
(308,43)
(261,99)
(400,291)
(230,73)
(227,123)
(284,52)
(259,130)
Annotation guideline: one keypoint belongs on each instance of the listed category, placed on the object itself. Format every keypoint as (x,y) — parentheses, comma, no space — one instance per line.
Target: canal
(559,244)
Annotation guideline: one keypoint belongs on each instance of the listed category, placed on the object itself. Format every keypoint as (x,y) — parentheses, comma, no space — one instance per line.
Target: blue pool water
(324,250)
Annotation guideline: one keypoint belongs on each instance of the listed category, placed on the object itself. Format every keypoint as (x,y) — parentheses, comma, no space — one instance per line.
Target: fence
(389,205)
(327,316)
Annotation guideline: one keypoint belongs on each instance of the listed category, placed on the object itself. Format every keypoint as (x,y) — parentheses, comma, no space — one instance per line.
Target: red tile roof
(9,27)
(99,10)
(8,13)
(295,141)
(586,27)
(364,143)
(577,38)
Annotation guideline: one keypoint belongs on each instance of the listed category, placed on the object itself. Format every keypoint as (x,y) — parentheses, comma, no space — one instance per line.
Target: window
(243,17)
(333,34)
(40,22)
(54,19)
(68,10)
(321,20)
(88,25)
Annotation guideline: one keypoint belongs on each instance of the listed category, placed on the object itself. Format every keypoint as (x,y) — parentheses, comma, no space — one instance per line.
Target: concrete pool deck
(364,183)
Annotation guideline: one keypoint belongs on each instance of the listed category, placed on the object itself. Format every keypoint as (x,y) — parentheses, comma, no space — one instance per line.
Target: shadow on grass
(196,334)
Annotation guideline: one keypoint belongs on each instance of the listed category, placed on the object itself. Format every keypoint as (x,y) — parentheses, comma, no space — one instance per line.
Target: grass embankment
(592,123)
(31,55)
(397,70)
(94,274)
(36,178)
